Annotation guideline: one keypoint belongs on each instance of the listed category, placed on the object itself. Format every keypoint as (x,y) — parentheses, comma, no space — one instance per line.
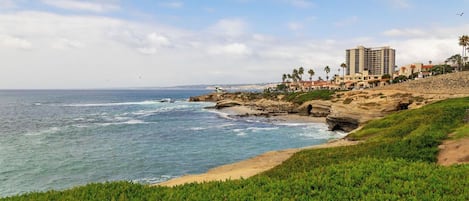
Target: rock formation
(348,110)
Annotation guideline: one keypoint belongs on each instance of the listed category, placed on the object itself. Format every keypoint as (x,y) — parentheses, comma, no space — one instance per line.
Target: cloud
(400,3)
(295,26)
(300,3)
(347,21)
(82,5)
(404,33)
(229,27)
(173,4)
(153,42)
(64,43)
(15,42)
(233,49)
(89,51)
(7,4)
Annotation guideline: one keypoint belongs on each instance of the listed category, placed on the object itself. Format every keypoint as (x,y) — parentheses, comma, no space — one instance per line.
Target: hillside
(451,83)
(396,160)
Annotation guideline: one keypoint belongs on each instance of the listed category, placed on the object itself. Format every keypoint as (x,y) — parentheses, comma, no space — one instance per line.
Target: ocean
(58,139)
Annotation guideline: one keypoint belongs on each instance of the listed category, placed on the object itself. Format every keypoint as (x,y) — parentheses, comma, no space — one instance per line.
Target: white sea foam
(198,128)
(153,180)
(147,102)
(212,126)
(129,122)
(255,129)
(145,113)
(42,132)
(241,134)
(223,115)
(293,124)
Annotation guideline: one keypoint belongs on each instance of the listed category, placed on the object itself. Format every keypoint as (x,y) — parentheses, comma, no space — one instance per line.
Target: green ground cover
(301,97)
(396,161)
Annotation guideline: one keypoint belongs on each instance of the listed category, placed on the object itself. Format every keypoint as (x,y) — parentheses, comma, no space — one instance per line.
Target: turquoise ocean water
(57,139)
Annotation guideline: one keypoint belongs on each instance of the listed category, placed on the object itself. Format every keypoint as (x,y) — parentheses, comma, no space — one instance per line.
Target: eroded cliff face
(346,111)
(349,110)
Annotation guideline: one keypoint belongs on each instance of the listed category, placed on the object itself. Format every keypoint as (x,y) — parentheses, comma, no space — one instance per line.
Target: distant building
(360,80)
(419,68)
(374,61)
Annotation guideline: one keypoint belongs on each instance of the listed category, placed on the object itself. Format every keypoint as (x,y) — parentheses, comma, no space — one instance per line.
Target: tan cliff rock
(351,109)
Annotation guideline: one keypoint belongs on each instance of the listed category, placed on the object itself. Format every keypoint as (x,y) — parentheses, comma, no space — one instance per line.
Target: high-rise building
(376,61)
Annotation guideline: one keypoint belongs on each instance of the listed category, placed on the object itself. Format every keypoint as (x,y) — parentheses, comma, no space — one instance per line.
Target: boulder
(342,123)
(212,97)
(315,108)
(225,104)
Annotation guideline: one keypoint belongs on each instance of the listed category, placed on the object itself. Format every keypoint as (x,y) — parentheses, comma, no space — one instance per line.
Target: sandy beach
(257,164)
(249,167)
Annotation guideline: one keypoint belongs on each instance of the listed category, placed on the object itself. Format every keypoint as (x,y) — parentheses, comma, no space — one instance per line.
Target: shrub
(347,101)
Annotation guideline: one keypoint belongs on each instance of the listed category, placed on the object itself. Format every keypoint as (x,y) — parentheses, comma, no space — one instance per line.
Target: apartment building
(375,61)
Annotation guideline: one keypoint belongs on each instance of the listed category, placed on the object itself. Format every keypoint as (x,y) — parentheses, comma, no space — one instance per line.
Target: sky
(84,44)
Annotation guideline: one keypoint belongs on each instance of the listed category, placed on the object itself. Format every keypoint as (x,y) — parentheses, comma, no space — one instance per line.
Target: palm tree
(301,71)
(343,65)
(328,70)
(464,42)
(311,74)
(295,75)
(284,77)
(289,77)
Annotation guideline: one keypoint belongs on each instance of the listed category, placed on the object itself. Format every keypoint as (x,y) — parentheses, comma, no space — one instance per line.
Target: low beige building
(421,69)
(360,80)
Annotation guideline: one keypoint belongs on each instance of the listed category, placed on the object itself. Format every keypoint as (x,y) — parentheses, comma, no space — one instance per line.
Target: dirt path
(454,152)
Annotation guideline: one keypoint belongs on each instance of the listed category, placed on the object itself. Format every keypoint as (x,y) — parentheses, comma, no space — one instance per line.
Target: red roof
(427,66)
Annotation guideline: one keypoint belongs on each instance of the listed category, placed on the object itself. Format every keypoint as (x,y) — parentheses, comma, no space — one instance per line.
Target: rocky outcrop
(227,103)
(344,123)
(349,110)
(212,97)
(315,108)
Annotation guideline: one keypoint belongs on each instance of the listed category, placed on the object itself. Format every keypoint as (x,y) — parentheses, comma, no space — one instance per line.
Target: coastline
(249,167)
(243,111)
(260,163)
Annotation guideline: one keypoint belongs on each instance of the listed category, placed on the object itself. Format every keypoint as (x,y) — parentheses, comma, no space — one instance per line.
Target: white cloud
(173,4)
(421,50)
(347,21)
(262,38)
(233,49)
(82,5)
(158,40)
(73,51)
(405,33)
(64,43)
(295,26)
(229,27)
(153,42)
(15,42)
(6,4)
(300,3)
(400,3)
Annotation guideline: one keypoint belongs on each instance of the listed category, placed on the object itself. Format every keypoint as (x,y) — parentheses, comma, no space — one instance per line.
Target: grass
(396,162)
(461,132)
(301,97)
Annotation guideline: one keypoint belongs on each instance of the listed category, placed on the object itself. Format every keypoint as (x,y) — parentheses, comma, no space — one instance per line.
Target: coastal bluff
(348,110)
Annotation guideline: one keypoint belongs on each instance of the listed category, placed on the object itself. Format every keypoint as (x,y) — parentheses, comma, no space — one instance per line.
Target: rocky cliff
(348,110)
